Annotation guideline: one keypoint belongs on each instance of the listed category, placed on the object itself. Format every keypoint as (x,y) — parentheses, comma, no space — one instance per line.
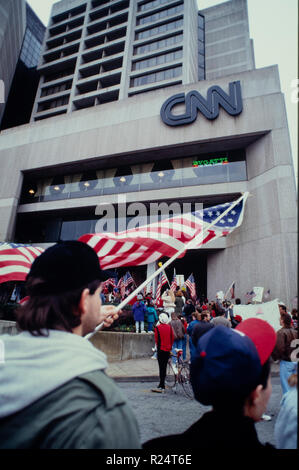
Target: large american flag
(16,261)
(146,244)
(190,283)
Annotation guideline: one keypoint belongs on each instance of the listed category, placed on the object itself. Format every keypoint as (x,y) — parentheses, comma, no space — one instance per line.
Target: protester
(168,301)
(286,425)
(54,393)
(184,340)
(179,333)
(139,312)
(294,315)
(179,302)
(230,372)
(203,326)
(164,338)
(188,310)
(221,320)
(152,316)
(195,320)
(283,350)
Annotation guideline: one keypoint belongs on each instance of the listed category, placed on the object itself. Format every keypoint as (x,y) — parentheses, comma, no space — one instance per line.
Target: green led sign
(211,162)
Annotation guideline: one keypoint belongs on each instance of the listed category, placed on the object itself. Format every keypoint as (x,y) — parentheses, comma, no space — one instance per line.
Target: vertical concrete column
(128,52)
(150,269)
(79,55)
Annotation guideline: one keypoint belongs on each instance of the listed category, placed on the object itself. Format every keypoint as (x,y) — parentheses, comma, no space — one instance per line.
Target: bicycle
(179,373)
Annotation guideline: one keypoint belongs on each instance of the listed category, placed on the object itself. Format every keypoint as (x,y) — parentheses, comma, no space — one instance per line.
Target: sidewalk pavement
(147,370)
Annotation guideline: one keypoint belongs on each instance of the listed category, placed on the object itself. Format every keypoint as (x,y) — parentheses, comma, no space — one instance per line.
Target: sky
(273,26)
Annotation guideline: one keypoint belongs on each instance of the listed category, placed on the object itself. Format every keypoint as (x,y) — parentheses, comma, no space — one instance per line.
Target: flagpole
(189,245)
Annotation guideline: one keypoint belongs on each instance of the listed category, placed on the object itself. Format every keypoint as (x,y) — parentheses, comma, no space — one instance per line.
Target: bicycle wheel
(170,378)
(185,380)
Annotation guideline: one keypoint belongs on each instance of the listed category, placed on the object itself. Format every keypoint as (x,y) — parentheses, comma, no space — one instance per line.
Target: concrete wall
(12,30)
(8,327)
(117,346)
(123,346)
(228,45)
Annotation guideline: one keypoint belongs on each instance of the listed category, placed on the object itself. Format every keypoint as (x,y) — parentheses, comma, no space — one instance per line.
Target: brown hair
(204,315)
(287,320)
(55,311)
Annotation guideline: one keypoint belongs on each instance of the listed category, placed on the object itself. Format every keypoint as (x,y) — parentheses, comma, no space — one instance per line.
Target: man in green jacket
(54,393)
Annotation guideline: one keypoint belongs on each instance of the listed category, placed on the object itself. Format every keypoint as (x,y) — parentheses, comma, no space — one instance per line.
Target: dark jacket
(199,329)
(226,430)
(188,310)
(179,304)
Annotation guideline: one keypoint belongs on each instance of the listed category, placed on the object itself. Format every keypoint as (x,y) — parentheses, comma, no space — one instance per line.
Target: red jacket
(166,336)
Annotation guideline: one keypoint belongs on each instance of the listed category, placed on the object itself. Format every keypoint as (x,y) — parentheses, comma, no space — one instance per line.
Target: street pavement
(147,369)
(136,377)
(169,413)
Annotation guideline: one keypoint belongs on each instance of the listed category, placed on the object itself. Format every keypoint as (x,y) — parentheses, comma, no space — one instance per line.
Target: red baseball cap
(261,333)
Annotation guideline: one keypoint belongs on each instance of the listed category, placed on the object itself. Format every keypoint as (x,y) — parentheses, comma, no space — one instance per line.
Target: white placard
(258,294)
(268,311)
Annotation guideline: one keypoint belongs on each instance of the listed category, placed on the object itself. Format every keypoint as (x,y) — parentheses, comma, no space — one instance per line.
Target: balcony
(102,52)
(59,30)
(66,39)
(98,82)
(107,25)
(68,15)
(95,98)
(106,64)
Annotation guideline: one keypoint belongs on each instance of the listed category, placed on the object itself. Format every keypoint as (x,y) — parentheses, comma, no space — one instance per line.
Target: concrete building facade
(59,170)
(12,30)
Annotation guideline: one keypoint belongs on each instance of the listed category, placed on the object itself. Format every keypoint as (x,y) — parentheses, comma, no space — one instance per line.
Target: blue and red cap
(228,362)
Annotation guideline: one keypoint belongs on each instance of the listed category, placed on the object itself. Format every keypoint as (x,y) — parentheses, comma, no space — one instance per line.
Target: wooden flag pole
(189,245)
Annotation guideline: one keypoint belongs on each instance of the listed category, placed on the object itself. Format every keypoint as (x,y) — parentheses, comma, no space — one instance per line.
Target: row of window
(157,76)
(163,28)
(160,14)
(153,46)
(157,60)
(152,4)
(226,167)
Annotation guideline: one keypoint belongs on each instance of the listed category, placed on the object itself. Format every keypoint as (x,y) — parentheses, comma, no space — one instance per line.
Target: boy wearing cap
(54,393)
(231,372)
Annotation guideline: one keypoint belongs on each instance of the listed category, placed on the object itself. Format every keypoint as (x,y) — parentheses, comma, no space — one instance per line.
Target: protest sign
(268,311)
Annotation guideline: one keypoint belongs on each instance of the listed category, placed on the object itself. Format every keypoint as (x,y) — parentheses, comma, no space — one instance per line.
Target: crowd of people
(54,392)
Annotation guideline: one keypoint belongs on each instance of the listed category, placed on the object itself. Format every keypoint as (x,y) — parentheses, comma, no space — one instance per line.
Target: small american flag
(109,282)
(128,279)
(161,281)
(190,283)
(174,283)
(267,294)
(249,295)
(144,245)
(232,291)
(16,261)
